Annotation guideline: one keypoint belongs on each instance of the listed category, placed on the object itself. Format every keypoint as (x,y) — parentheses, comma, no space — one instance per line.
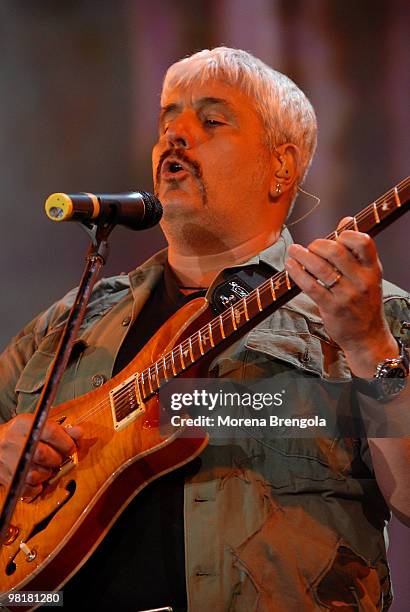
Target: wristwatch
(389,378)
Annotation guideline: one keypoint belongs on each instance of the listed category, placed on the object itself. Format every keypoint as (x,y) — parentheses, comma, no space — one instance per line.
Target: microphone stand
(95,260)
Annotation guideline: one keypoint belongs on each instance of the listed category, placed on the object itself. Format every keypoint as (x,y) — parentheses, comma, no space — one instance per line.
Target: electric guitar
(123,447)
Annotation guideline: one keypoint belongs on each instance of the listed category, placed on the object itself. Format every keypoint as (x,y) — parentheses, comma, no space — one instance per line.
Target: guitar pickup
(126,402)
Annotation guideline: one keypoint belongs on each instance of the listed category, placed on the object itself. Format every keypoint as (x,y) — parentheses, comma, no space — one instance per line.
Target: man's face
(211,167)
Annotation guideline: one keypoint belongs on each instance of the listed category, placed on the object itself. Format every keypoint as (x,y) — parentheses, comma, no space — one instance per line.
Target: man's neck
(200,270)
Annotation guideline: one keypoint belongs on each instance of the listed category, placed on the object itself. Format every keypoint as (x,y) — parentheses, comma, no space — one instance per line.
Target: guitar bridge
(126,403)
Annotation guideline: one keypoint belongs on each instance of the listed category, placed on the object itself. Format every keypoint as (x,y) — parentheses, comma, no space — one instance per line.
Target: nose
(177,140)
(182,132)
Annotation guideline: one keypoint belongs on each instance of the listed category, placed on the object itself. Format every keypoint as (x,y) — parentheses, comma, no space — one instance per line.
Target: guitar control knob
(12,533)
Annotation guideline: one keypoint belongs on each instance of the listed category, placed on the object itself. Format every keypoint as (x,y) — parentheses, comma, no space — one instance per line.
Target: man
(283,524)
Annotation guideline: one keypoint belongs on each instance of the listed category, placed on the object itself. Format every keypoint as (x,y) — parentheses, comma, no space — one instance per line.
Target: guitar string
(123,395)
(349,225)
(227,315)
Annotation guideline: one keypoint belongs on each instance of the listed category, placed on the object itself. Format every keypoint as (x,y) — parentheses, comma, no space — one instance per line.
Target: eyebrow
(200,105)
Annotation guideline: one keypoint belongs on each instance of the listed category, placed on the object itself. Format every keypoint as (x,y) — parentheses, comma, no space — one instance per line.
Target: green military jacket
(274,524)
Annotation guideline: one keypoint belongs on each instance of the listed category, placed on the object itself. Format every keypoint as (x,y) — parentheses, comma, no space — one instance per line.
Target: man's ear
(285,166)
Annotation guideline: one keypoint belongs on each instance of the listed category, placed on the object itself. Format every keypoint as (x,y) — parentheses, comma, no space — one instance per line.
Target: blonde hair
(285,111)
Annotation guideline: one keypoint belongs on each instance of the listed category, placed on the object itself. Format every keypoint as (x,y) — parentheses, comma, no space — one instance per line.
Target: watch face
(392,378)
(392,386)
(397,372)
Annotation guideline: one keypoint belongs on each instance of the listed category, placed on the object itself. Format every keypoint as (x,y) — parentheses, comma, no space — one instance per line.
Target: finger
(316,265)
(307,282)
(46,456)
(361,245)
(31,491)
(344,224)
(56,436)
(38,474)
(61,438)
(74,431)
(347,254)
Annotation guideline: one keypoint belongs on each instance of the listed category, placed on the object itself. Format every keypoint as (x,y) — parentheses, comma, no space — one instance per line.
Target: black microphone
(137,210)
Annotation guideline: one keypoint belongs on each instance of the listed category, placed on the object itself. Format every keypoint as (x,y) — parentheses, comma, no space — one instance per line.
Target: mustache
(191,164)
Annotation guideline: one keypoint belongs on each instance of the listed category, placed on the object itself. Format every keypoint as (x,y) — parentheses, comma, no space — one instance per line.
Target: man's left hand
(344,277)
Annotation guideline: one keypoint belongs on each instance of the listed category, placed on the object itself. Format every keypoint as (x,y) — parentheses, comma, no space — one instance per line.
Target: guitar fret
(201,348)
(278,284)
(173,363)
(258,299)
(135,392)
(272,289)
(138,390)
(221,327)
(396,197)
(233,319)
(245,308)
(376,213)
(211,338)
(149,380)
(182,357)
(164,367)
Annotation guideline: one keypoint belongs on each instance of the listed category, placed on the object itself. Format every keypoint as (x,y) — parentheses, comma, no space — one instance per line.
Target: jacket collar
(147,275)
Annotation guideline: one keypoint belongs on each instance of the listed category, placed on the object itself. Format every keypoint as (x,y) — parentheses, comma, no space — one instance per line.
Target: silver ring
(332,284)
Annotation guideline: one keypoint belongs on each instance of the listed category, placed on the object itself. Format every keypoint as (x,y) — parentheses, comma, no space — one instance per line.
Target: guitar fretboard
(247,312)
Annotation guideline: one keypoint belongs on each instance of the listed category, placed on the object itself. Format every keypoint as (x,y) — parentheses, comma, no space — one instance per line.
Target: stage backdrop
(78,107)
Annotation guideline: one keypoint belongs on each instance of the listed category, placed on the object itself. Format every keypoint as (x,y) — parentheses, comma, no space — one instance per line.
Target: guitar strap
(238,283)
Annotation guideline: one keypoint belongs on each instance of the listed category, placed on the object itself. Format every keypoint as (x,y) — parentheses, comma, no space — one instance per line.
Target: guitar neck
(260,303)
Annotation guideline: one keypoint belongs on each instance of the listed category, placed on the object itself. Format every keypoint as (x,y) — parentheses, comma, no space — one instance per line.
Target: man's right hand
(56,443)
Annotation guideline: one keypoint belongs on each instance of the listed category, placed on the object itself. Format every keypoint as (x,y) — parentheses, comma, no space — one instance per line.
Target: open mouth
(175,167)
(172,168)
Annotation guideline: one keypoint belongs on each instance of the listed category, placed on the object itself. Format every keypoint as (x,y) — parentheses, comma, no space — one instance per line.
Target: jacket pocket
(303,350)
(31,381)
(296,362)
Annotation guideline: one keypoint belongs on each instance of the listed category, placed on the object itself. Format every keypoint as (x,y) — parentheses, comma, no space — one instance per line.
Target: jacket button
(98,380)
(126,320)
